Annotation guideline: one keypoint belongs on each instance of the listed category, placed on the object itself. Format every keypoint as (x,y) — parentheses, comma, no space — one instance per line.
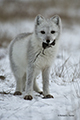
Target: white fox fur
(28,56)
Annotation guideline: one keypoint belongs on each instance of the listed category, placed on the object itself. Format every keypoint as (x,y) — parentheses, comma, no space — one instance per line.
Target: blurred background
(17,16)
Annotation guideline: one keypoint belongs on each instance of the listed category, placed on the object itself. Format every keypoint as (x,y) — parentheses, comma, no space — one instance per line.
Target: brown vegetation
(18,10)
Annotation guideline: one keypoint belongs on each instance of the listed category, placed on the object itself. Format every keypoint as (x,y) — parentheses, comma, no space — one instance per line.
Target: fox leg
(45,76)
(36,88)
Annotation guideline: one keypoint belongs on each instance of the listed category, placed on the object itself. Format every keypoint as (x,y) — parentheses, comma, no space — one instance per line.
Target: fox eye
(43,32)
(52,32)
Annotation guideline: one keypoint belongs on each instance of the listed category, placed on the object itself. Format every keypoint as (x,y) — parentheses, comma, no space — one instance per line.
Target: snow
(64,82)
(16,27)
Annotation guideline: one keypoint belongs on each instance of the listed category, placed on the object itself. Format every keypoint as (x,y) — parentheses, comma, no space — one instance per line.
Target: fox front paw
(17,93)
(28,97)
(48,96)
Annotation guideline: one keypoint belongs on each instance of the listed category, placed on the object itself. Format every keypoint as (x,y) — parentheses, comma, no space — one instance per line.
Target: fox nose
(47,40)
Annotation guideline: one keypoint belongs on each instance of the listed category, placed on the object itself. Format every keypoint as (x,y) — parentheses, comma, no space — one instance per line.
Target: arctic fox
(30,53)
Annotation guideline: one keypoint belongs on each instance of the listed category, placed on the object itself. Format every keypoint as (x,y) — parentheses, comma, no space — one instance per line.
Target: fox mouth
(47,45)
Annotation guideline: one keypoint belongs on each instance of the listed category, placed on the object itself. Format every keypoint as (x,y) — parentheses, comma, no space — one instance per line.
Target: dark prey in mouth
(47,45)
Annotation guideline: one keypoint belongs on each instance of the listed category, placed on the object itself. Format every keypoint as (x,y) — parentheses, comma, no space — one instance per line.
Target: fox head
(47,30)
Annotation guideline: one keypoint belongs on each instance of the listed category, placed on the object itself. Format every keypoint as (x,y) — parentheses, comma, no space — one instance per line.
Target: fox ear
(56,19)
(39,19)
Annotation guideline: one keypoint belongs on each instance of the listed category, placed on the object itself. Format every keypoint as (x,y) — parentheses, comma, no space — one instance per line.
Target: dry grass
(66,70)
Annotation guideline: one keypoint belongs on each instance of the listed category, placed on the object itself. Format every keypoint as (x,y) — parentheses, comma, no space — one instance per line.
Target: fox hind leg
(24,81)
(36,88)
(19,75)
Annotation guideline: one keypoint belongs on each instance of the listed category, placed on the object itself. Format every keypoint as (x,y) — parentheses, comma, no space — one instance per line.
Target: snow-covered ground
(64,81)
